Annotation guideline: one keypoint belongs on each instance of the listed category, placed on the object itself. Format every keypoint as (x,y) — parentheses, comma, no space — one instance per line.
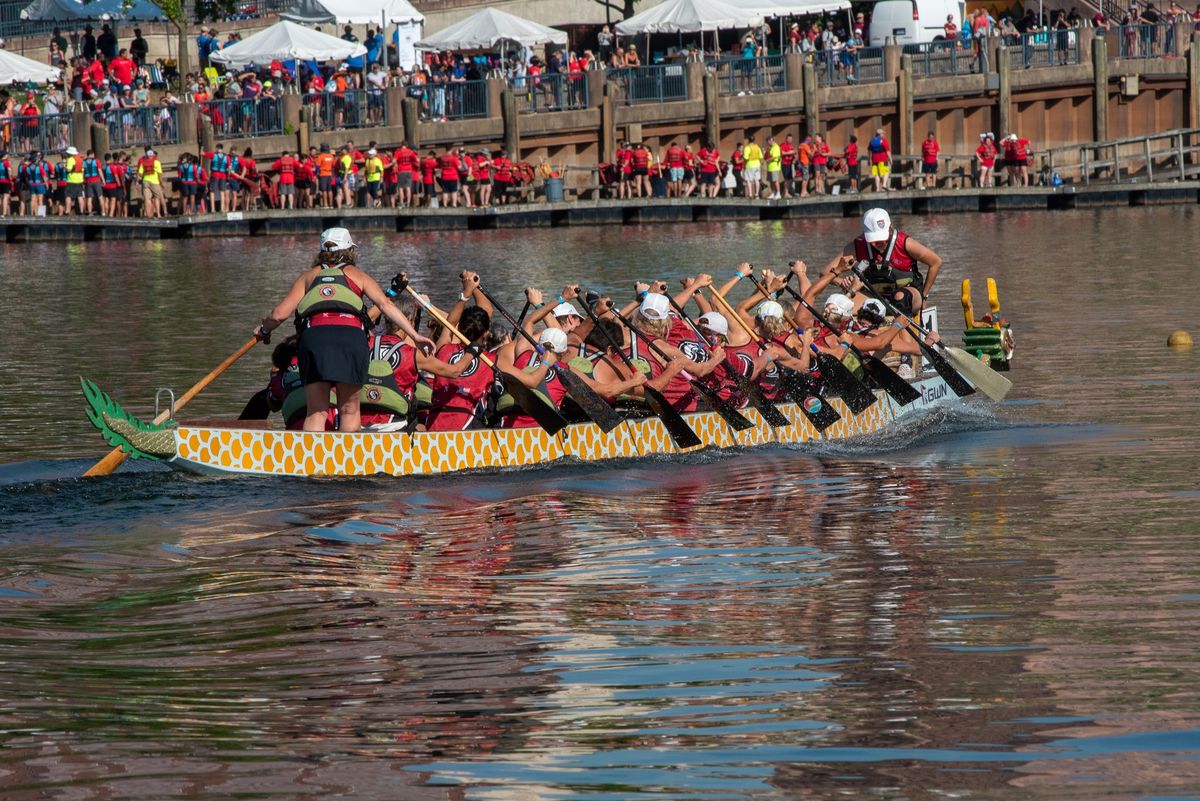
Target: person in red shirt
(820,163)
(707,167)
(466,176)
(483,176)
(986,153)
(787,160)
(122,68)
(1017,155)
(448,166)
(95,72)
(674,162)
(406,164)
(929,160)
(624,157)
(853,169)
(689,171)
(504,176)
(285,167)
(429,166)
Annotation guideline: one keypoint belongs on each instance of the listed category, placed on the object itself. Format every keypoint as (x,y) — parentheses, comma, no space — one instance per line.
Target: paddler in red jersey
(463,402)
(889,260)
(331,317)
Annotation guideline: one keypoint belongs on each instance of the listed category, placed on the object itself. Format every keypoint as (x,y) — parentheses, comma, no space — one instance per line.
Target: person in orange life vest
(890,261)
(285,167)
(332,353)
(462,402)
(641,169)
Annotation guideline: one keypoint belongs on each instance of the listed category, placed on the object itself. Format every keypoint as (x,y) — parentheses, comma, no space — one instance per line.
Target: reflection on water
(978,606)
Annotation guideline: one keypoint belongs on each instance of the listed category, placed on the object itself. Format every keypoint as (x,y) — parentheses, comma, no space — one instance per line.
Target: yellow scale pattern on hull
(297,453)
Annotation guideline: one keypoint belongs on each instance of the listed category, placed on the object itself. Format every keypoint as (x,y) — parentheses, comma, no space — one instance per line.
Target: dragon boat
(216,450)
(233,450)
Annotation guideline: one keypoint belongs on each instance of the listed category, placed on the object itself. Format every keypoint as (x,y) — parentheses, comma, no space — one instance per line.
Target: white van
(909,22)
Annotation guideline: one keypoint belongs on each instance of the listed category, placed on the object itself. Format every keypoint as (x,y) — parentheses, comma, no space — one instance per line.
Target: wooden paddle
(841,381)
(945,360)
(814,406)
(770,413)
(900,390)
(595,407)
(116,457)
(680,432)
(540,409)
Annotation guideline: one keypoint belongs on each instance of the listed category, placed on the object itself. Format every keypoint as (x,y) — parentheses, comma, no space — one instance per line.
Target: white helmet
(333,239)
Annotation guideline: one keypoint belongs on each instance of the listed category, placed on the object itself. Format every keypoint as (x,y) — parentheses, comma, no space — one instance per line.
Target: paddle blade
(257,408)
(595,407)
(985,379)
(681,433)
(736,420)
(953,378)
(815,407)
(769,411)
(896,387)
(534,405)
(845,385)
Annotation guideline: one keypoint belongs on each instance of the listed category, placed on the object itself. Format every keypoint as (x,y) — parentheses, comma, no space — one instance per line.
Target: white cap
(372,152)
(553,339)
(841,304)
(875,306)
(1012,137)
(982,137)
(876,225)
(336,239)
(769,308)
(655,306)
(566,310)
(72,151)
(150,153)
(716,323)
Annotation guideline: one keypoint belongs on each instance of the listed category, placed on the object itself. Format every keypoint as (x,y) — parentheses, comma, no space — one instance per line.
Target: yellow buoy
(1180,339)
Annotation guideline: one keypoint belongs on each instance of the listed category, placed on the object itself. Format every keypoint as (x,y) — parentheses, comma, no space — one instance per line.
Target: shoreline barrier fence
(260,116)
(848,66)
(559,91)
(49,133)
(660,83)
(353,108)
(741,76)
(1167,156)
(1054,48)
(139,127)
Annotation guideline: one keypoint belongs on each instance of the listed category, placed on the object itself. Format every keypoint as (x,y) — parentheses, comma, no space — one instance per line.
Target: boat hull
(298,453)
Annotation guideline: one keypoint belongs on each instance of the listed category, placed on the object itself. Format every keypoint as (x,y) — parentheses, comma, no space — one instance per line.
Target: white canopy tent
(18,69)
(407,20)
(78,11)
(285,41)
(690,16)
(492,28)
(794,8)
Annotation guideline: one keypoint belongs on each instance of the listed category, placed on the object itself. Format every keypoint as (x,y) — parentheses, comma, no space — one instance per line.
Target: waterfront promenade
(598,212)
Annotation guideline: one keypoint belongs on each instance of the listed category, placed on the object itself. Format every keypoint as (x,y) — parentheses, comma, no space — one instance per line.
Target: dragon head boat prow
(139,439)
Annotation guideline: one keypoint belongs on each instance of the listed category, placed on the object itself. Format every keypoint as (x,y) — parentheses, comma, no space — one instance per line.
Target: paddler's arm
(611,389)
(743,269)
(639,291)
(541,310)
(471,290)
(927,257)
(530,378)
(847,252)
(690,287)
(880,339)
(840,266)
(434,365)
(670,370)
(390,310)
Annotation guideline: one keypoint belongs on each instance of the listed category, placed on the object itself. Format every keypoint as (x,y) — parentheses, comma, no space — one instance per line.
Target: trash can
(658,186)
(554,190)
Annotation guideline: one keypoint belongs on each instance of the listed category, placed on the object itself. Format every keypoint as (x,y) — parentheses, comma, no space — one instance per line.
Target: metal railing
(1168,156)
(260,116)
(741,76)
(559,91)
(463,100)
(1053,48)
(936,58)
(848,66)
(1144,41)
(49,133)
(661,83)
(139,127)
(352,108)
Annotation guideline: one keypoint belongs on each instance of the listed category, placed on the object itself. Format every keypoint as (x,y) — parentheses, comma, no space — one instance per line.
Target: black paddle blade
(962,388)
(844,384)
(595,407)
(681,433)
(769,411)
(896,387)
(815,407)
(736,420)
(534,405)
(257,408)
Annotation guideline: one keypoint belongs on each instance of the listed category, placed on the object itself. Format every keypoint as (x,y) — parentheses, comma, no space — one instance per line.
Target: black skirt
(334,353)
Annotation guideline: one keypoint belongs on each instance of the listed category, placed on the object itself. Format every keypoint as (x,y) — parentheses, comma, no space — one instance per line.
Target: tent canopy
(284,41)
(77,11)
(793,8)
(18,69)
(489,28)
(353,12)
(691,16)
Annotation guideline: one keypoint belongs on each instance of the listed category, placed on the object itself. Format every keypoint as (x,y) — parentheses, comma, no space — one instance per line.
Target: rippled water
(985,604)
